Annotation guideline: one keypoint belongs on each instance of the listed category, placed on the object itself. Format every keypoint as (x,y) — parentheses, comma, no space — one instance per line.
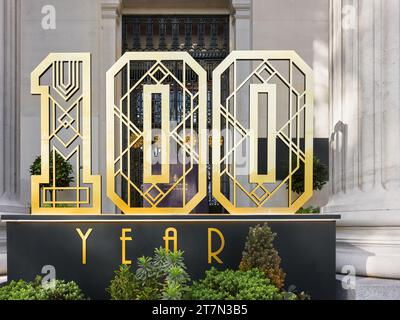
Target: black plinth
(306,244)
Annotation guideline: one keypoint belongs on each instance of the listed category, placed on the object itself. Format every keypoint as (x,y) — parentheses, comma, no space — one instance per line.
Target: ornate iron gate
(206,39)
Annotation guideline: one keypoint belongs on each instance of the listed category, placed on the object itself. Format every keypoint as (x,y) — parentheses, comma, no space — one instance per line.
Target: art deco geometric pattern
(63,83)
(156,120)
(265,123)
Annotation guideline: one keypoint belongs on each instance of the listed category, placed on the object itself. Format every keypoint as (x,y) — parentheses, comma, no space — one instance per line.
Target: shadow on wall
(338,147)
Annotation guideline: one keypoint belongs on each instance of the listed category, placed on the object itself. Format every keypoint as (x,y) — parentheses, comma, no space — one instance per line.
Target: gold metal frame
(248,133)
(187,144)
(60,100)
(88,198)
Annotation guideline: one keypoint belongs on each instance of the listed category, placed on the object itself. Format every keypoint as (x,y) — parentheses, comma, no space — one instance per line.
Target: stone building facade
(351,45)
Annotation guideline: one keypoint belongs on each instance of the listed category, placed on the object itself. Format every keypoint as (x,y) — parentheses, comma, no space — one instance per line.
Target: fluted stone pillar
(242,24)
(110,53)
(10,201)
(365,134)
(242,40)
(9,109)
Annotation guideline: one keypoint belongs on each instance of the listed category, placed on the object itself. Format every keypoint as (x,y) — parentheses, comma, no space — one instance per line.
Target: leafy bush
(64,170)
(123,286)
(308,210)
(259,252)
(18,290)
(237,285)
(320,176)
(22,290)
(62,291)
(301,295)
(59,205)
(162,276)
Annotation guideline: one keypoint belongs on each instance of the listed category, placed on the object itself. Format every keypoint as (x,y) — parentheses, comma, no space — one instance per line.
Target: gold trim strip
(148,91)
(270,90)
(170,221)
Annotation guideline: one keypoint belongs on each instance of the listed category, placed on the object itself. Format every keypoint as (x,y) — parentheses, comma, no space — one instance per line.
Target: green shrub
(59,205)
(62,291)
(310,209)
(22,290)
(320,176)
(162,276)
(259,252)
(18,290)
(237,285)
(301,295)
(123,286)
(64,170)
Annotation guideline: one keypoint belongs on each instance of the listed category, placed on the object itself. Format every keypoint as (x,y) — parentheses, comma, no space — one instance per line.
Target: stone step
(366,288)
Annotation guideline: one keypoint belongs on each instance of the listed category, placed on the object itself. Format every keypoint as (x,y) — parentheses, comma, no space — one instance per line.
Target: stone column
(242,27)
(10,202)
(365,134)
(9,108)
(110,52)
(242,24)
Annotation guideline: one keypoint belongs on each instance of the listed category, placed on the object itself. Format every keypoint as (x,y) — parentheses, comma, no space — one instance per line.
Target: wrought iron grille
(206,39)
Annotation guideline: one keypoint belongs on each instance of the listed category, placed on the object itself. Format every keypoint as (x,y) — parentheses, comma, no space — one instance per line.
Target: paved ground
(3,279)
(364,288)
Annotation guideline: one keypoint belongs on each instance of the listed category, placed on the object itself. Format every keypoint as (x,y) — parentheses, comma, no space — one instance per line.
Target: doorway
(206,39)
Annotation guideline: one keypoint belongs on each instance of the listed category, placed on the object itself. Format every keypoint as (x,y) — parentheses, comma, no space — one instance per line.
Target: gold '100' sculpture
(63,82)
(269,98)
